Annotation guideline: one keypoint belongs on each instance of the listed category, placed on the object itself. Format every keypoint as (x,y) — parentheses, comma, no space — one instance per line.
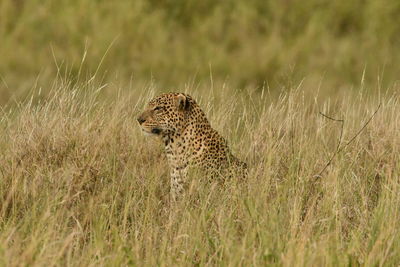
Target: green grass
(81,185)
(247,43)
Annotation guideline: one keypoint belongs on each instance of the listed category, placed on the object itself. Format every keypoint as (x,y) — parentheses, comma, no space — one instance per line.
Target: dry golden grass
(80,185)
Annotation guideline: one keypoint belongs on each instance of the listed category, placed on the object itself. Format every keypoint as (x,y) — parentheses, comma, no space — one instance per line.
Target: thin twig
(365,125)
(338,147)
(338,144)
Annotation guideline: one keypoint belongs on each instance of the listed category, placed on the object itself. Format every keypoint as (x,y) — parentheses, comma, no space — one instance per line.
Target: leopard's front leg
(178,178)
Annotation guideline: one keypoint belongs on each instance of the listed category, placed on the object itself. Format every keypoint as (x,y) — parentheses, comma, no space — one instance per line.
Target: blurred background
(330,45)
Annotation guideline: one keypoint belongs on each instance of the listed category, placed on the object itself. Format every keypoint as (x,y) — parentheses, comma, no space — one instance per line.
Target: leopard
(189,140)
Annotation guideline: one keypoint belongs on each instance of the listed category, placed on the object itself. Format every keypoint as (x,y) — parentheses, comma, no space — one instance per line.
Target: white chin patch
(145,133)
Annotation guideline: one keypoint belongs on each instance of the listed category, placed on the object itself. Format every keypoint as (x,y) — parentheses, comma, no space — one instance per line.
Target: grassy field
(179,42)
(81,185)
(307,93)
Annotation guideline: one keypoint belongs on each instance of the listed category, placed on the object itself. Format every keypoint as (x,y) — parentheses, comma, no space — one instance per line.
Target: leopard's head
(166,113)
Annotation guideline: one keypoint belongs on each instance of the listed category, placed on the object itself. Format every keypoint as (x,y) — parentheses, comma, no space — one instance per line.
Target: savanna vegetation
(306,92)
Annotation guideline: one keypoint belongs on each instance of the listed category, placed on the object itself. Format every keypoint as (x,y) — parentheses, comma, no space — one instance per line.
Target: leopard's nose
(141,120)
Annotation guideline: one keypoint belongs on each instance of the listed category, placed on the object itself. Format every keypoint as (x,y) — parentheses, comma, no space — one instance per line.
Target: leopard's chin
(151,132)
(155,131)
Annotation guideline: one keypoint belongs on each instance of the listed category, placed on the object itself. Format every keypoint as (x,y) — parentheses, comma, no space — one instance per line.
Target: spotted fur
(188,138)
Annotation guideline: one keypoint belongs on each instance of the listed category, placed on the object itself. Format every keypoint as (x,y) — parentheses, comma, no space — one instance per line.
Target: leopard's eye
(157,108)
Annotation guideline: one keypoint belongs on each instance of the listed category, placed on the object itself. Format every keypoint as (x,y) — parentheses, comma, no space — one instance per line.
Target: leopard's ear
(182,102)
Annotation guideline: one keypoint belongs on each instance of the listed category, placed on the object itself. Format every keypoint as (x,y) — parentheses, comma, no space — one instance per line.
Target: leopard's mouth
(155,131)
(151,130)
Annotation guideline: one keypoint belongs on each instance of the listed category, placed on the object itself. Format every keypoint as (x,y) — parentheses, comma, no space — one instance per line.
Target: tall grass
(80,185)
